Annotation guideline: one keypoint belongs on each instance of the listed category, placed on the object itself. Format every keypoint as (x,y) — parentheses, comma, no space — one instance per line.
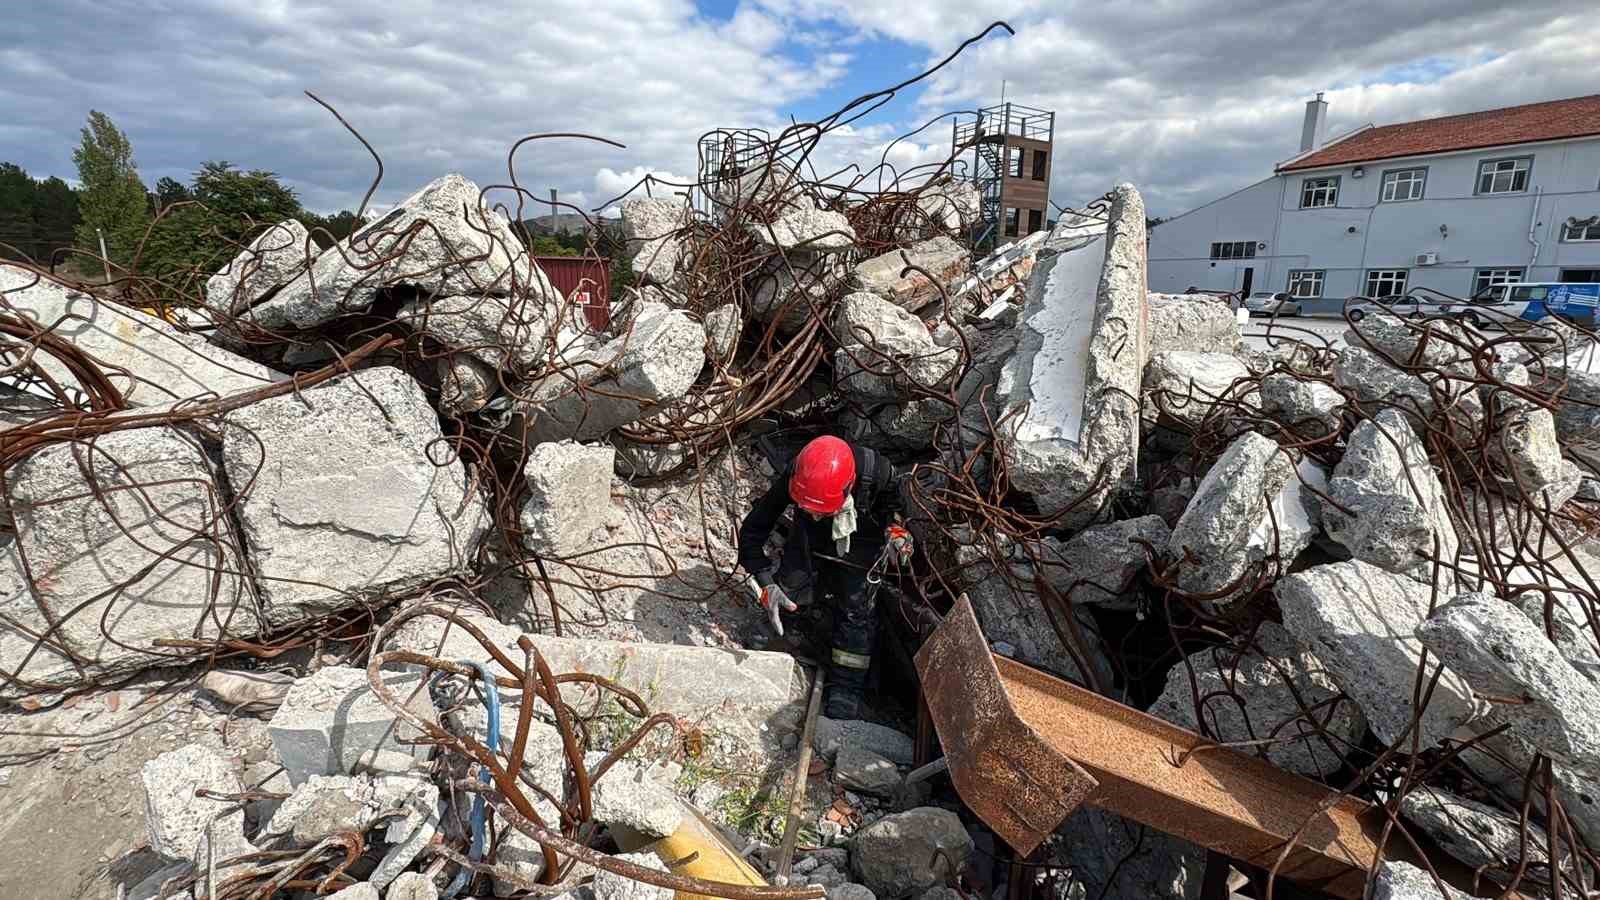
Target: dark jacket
(877,500)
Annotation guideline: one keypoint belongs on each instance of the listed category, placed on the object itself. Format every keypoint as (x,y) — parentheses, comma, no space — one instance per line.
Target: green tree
(545,245)
(113,198)
(55,216)
(338,226)
(230,208)
(170,191)
(17,199)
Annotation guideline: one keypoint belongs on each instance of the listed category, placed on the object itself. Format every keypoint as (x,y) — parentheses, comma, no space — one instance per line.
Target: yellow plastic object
(714,859)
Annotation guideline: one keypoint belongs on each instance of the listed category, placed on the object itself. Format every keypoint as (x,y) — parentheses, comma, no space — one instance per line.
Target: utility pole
(106,260)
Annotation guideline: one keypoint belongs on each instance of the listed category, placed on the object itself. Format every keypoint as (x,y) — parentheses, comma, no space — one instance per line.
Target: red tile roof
(1551,120)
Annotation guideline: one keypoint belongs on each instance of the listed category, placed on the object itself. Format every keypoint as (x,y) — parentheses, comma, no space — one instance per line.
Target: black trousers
(843,583)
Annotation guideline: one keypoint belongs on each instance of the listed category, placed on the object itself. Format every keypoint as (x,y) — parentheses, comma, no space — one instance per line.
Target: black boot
(845,683)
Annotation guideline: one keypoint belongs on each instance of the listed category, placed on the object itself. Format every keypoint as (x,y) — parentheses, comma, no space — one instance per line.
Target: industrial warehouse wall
(1361,233)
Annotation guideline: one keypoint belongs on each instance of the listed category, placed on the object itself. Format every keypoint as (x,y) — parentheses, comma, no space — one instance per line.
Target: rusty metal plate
(1026,748)
(1015,780)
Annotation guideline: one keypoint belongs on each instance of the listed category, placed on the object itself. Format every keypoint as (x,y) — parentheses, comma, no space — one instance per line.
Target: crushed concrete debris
(831,736)
(1359,621)
(1477,835)
(569,494)
(650,226)
(333,722)
(347,497)
(1228,505)
(1507,659)
(1277,680)
(1184,322)
(183,826)
(269,262)
(905,854)
(148,361)
(1387,506)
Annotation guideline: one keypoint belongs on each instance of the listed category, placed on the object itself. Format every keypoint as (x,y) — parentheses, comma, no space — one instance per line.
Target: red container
(584,280)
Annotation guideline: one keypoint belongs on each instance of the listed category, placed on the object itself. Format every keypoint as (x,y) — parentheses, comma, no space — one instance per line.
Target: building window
(1403,184)
(1485,279)
(1386,282)
(1014,162)
(1035,220)
(1504,176)
(1306,282)
(1012,215)
(1580,276)
(1577,229)
(1041,159)
(1317,192)
(1233,250)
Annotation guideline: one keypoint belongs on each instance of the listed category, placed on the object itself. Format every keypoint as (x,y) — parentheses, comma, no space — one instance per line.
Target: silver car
(1267,303)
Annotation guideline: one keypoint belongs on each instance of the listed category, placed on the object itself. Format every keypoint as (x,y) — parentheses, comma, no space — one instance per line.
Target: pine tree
(112,198)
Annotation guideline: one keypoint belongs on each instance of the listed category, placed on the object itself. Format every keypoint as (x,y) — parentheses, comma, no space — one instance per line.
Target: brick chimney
(1316,124)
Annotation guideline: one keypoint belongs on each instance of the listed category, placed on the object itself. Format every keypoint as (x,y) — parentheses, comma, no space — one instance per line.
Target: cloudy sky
(1188,99)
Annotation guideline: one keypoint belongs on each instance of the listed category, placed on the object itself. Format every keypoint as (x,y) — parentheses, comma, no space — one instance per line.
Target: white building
(1454,204)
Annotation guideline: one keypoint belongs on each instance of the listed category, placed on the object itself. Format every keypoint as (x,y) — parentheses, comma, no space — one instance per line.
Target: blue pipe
(479,820)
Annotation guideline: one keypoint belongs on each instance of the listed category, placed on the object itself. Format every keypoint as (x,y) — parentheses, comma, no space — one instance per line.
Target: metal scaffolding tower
(992,135)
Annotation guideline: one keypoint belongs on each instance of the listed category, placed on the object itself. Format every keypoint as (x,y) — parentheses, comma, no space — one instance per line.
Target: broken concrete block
(853,891)
(1373,381)
(791,289)
(1403,881)
(1360,621)
(466,385)
(412,886)
(1103,855)
(1476,834)
(346,493)
(267,263)
(886,350)
(952,205)
(332,722)
(1293,518)
(722,327)
(998,578)
(1524,438)
(147,360)
(1227,507)
(859,769)
(833,735)
(611,886)
(1301,404)
(805,228)
(1264,693)
(569,496)
(655,363)
(362,891)
(178,822)
(1498,650)
(904,854)
(1182,386)
(944,259)
(127,541)
(1072,388)
(628,796)
(328,804)
(745,691)
(1434,344)
(499,332)
(1193,322)
(408,834)
(1097,564)
(443,240)
(1577,415)
(650,226)
(1388,507)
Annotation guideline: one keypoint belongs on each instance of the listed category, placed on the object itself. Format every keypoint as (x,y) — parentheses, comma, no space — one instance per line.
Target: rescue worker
(846,534)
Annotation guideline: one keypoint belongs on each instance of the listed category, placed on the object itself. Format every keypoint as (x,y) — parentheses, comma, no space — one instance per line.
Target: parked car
(1267,303)
(1414,305)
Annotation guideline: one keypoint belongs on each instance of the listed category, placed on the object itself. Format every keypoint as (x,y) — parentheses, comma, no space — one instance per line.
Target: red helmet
(824,473)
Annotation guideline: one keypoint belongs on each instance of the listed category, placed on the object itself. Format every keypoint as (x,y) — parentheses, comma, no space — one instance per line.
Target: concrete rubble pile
(516,526)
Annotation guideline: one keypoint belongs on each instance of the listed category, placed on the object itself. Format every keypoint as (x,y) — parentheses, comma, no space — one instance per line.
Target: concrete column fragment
(1072,389)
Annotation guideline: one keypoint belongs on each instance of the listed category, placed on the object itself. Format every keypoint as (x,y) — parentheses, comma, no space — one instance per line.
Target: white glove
(774,600)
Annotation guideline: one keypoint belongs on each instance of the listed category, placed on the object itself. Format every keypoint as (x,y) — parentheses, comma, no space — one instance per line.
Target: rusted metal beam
(1026,748)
